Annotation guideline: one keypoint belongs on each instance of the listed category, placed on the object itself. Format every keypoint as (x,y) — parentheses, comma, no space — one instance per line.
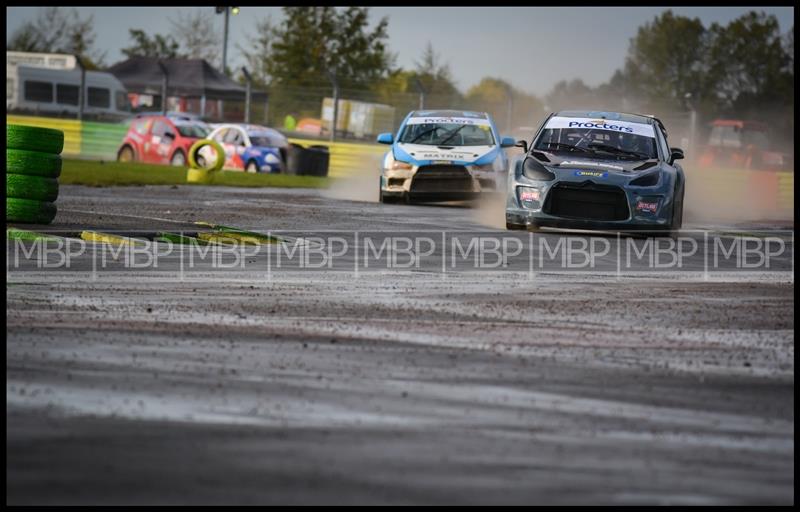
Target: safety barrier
(101,140)
(786,191)
(70,127)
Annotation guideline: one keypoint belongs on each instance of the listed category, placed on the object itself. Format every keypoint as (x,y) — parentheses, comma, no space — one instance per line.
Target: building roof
(185,77)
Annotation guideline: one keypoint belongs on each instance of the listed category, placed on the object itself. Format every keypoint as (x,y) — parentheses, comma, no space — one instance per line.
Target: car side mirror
(676,154)
(507,142)
(522,144)
(385,138)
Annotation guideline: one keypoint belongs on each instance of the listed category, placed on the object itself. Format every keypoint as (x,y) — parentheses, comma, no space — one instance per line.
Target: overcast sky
(532,47)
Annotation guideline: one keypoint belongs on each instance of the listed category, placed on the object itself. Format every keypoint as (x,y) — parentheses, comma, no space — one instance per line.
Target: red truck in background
(743,145)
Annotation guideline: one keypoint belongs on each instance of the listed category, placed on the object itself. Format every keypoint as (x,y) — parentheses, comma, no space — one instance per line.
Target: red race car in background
(158,139)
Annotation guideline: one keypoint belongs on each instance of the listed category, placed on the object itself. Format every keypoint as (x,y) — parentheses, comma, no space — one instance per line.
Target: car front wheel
(251,167)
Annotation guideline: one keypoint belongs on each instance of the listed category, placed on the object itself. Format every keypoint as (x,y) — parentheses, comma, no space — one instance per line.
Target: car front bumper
(464,184)
(540,213)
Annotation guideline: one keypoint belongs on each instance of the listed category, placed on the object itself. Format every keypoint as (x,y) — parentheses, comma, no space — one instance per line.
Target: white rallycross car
(443,155)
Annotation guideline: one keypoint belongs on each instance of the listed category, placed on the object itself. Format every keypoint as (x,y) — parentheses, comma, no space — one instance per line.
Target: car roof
(614,116)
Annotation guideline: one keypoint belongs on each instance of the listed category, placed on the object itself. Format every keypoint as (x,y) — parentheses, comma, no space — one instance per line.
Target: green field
(97,173)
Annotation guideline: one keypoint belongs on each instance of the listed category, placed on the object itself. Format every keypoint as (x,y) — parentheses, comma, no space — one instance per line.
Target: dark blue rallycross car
(597,170)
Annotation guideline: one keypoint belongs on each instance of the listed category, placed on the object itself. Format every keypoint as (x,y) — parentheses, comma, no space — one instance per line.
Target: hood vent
(540,156)
(645,165)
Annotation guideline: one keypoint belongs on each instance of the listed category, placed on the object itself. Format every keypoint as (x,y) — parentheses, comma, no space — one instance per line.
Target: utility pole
(421,91)
(227,11)
(510,94)
(247,94)
(692,122)
(164,79)
(82,88)
(335,84)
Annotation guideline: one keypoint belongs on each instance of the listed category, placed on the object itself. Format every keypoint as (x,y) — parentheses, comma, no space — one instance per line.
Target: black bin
(311,161)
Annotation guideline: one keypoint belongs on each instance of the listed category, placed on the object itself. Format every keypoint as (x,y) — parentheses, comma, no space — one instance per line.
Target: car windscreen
(268,141)
(598,138)
(447,134)
(192,130)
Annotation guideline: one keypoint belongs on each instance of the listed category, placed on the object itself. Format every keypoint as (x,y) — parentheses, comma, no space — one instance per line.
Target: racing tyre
(33,163)
(33,138)
(677,222)
(252,168)
(219,161)
(514,227)
(388,199)
(31,187)
(29,211)
(178,159)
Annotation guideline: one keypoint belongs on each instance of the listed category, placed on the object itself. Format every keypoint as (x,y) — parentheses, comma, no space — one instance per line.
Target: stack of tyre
(311,161)
(33,164)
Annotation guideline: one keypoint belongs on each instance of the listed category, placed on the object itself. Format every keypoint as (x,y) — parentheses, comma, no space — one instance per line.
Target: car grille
(442,178)
(588,201)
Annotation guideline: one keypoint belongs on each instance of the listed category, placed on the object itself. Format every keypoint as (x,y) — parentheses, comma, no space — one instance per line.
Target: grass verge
(95,173)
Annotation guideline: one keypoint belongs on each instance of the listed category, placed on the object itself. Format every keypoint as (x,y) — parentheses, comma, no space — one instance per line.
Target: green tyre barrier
(33,163)
(33,138)
(31,187)
(29,211)
(218,164)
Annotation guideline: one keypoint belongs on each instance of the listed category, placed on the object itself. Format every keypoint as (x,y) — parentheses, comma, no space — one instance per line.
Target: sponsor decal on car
(448,157)
(448,120)
(642,129)
(592,174)
(571,163)
(647,206)
(527,194)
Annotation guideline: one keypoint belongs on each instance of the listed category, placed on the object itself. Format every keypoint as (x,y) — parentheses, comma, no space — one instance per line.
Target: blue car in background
(251,148)
(443,155)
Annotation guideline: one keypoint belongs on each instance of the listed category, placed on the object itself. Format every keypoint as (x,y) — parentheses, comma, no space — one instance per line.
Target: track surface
(401,388)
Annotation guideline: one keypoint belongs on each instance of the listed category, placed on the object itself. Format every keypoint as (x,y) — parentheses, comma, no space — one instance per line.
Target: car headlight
(536,171)
(397,165)
(648,180)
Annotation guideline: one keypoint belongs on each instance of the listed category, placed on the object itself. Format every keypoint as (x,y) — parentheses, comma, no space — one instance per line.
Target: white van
(39,90)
